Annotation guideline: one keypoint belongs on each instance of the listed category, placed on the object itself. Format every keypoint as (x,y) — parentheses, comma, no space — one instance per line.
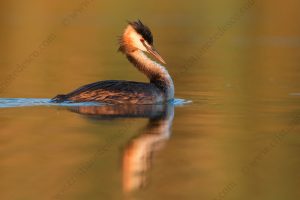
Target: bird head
(137,36)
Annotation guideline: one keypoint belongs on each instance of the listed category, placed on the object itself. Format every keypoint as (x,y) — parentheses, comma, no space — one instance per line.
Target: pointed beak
(155,54)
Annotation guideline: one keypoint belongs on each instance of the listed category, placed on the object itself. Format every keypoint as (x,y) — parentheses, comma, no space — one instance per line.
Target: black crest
(140,28)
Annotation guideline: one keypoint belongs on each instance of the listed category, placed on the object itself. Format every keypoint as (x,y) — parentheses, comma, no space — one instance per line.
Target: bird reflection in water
(138,153)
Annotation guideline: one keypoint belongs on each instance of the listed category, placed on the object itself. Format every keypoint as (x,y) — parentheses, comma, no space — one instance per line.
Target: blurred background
(237,61)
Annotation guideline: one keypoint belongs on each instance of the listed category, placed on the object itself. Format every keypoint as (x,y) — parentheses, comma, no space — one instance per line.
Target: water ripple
(26,102)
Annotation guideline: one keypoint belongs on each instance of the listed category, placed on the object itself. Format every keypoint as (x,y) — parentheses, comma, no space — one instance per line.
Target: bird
(135,42)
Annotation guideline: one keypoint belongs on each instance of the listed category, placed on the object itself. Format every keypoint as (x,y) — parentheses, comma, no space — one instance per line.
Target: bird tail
(59,98)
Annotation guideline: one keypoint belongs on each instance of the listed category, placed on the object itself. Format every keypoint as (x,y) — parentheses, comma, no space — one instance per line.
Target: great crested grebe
(135,40)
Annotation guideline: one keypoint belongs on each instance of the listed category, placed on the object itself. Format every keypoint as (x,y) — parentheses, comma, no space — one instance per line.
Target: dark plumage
(114,92)
(143,30)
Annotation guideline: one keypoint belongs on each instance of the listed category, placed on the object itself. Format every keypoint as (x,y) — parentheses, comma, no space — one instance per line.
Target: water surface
(238,139)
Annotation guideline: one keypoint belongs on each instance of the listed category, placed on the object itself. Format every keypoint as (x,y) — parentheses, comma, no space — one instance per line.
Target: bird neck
(156,73)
